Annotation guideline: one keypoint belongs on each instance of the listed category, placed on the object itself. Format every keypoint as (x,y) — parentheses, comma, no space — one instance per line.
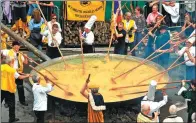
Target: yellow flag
(83,10)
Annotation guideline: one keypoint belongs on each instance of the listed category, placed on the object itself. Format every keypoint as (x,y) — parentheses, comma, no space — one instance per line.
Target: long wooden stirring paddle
(66,92)
(121,95)
(53,39)
(132,86)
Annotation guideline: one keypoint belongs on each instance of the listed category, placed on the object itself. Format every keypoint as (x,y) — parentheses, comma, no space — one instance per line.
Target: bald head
(145,108)
(172,109)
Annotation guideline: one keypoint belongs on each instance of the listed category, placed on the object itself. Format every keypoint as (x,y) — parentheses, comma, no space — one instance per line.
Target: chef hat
(152,90)
(90,22)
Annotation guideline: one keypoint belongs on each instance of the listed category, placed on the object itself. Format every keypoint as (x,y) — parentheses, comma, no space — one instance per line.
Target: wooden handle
(121,95)
(50,80)
(162,72)
(55,42)
(162,83)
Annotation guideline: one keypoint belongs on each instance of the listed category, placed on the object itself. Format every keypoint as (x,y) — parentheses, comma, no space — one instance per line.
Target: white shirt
(40,96)
(57,36)
(50,26)
(173,118)
(154,106)
(89,37)
(6,52)
(16,75)
(192,52)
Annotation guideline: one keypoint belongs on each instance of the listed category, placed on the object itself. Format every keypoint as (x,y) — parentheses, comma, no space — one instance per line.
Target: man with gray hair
(8,85)
(173,116)
(40,97)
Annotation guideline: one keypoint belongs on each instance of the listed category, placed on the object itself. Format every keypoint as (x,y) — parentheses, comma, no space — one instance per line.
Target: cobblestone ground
(60,111)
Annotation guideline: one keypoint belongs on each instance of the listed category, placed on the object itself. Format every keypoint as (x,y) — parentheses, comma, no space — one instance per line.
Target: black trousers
(10,100)
(20,88)
(88,48)
(40,116)
(20,12)
(53,52)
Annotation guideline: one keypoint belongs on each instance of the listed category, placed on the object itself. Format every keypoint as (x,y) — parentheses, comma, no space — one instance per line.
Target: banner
(83,10)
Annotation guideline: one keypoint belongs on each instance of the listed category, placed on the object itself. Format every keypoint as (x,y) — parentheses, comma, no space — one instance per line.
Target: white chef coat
(88,37)
(154,106)
(173,118)
(6,52)
(57,36)
(192,52)
(40,96)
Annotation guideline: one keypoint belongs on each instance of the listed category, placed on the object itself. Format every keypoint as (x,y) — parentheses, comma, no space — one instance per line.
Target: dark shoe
(14,120)
(24,103)
(6,105)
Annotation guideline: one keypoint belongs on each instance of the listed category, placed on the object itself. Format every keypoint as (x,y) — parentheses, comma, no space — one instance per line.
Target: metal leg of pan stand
(53,110)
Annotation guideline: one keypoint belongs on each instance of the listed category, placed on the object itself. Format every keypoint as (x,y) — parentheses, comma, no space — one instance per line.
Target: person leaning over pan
(53,41)
(8,85)
(19,60)
(191,95)
(88,35)
(149,99)
(40,97)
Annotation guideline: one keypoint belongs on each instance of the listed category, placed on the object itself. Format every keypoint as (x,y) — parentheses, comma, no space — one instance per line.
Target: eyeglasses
(53,18)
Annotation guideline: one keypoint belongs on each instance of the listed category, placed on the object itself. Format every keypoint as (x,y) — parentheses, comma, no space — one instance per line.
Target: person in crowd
(190,8)
(87,36)
(47,8)
(96,104)
(4,39)
(8,85)
(19,60)
(171,10)
(149,99)
(192,59)
(191,95)
(53,21)
(7,10)
(148,7)
(35,26)
(190,66)
(143,117)
(162,37)
(32,6)
(130,28)
(141,25)
(173,116)
(119,39)
(54,40)
(188,20)
(20,19)
(40,97)
(151,19)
